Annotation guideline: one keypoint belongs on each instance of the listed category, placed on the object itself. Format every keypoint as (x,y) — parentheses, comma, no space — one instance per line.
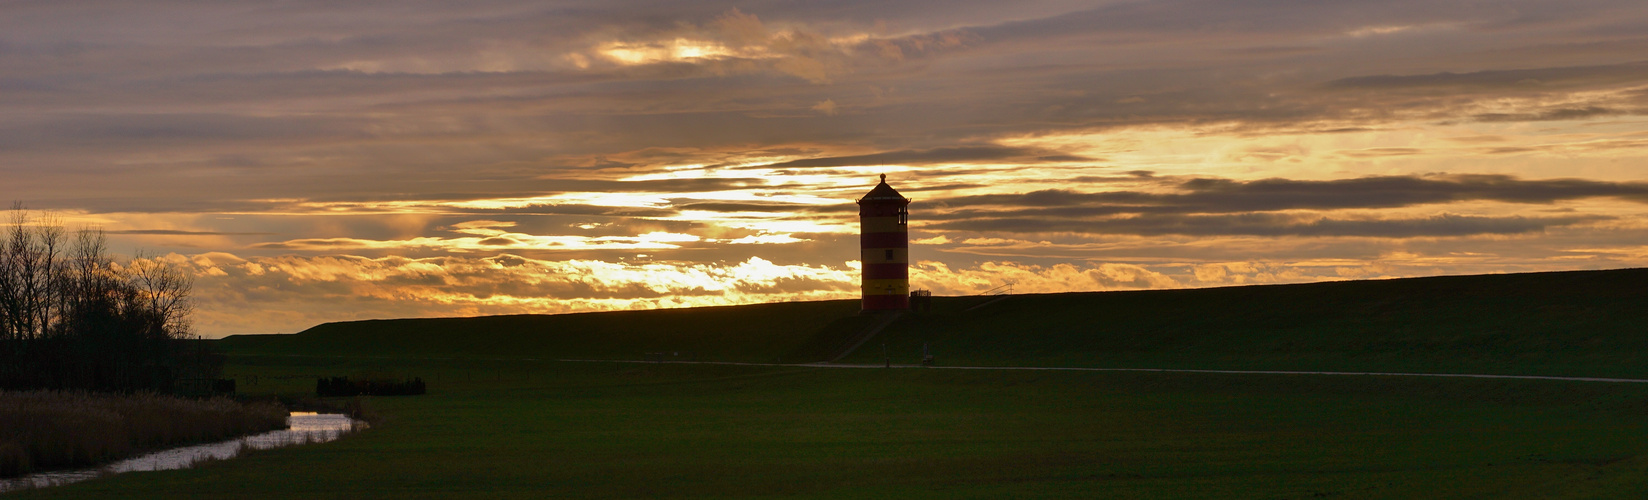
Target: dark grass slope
(1586,323)
(762,332)
(1583,323)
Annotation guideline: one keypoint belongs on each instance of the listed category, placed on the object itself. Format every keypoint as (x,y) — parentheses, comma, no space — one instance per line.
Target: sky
(318,161)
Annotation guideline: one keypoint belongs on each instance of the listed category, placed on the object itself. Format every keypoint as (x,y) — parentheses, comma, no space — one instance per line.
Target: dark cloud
(1475,139)
(1203,17)
(931,156)
(829,209)
(739,207)
(1518,79)
(1273,50)
(559,185)
(307,244)
(1380,152)
(1211,206)
(1279,194)
(265,107)
(571,209)
(1264,224)
(499,241)
(747,207)
(1555,114)
(1214,195)
(1512,150)
(939,187)
(344,199)
(136,130)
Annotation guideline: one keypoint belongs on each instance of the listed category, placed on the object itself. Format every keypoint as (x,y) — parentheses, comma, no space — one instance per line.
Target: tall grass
(43,430)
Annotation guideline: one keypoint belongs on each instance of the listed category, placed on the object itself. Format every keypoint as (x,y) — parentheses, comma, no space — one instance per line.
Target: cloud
(941,279)
(302,291)
(1272,207)
(1380,152)
(736,43)
(1216,195)
(1539,79)
(825,107)
(177,232)
(932,156)
(1442,225)
(490,239)
(1549,115)
(259,114)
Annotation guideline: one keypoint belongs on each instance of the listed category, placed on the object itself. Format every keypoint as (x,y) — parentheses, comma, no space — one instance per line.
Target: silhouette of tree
(74,318)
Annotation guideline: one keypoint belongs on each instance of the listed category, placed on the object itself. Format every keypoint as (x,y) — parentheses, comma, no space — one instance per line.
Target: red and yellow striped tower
(884,246)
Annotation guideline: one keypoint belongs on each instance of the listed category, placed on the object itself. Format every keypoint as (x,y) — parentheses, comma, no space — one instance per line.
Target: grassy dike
(502,420)
(1581,323)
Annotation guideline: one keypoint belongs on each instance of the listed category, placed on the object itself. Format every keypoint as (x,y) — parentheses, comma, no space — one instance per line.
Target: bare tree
(17,275)
(89,276)
(29,259)
(10,291)
(48,236)
(94,291)
(71,317)
(165,288)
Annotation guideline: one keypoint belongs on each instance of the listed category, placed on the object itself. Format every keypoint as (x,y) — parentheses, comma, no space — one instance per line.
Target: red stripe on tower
(884,243)
(887,271)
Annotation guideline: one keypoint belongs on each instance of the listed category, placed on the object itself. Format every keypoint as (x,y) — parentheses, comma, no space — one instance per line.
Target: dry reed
(44,430)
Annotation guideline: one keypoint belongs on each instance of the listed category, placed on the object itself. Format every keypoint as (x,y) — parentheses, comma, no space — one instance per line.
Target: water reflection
(304,428)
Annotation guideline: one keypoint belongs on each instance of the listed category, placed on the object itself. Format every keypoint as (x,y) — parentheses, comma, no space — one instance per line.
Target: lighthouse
(884,248)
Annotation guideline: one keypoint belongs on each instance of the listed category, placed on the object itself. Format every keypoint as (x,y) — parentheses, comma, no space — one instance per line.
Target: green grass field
(503,420)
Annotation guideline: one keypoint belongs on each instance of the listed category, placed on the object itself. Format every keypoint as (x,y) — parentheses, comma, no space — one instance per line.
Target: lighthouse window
(889,255)
(903,216)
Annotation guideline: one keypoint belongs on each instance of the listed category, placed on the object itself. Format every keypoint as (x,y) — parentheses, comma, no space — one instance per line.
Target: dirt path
(1023,368)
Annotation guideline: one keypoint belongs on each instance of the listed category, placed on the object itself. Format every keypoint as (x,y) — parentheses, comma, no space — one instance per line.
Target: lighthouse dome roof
(883,193)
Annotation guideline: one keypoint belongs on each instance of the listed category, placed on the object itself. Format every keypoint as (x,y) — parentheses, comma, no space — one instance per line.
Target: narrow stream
(304,428)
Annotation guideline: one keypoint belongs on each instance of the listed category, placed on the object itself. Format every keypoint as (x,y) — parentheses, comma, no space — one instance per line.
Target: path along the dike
(1043,368)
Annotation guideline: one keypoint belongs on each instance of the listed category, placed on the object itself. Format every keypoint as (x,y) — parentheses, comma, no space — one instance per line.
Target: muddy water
(304,428)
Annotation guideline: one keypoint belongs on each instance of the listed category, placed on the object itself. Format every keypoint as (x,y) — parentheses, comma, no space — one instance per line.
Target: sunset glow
(373,161)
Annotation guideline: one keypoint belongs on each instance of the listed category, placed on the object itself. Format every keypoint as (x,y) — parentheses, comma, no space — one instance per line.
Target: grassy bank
(43,430)
(1585,323)
(761,332)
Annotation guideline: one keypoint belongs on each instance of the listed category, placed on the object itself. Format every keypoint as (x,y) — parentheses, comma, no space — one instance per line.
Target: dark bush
(13,461)
(42,430)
